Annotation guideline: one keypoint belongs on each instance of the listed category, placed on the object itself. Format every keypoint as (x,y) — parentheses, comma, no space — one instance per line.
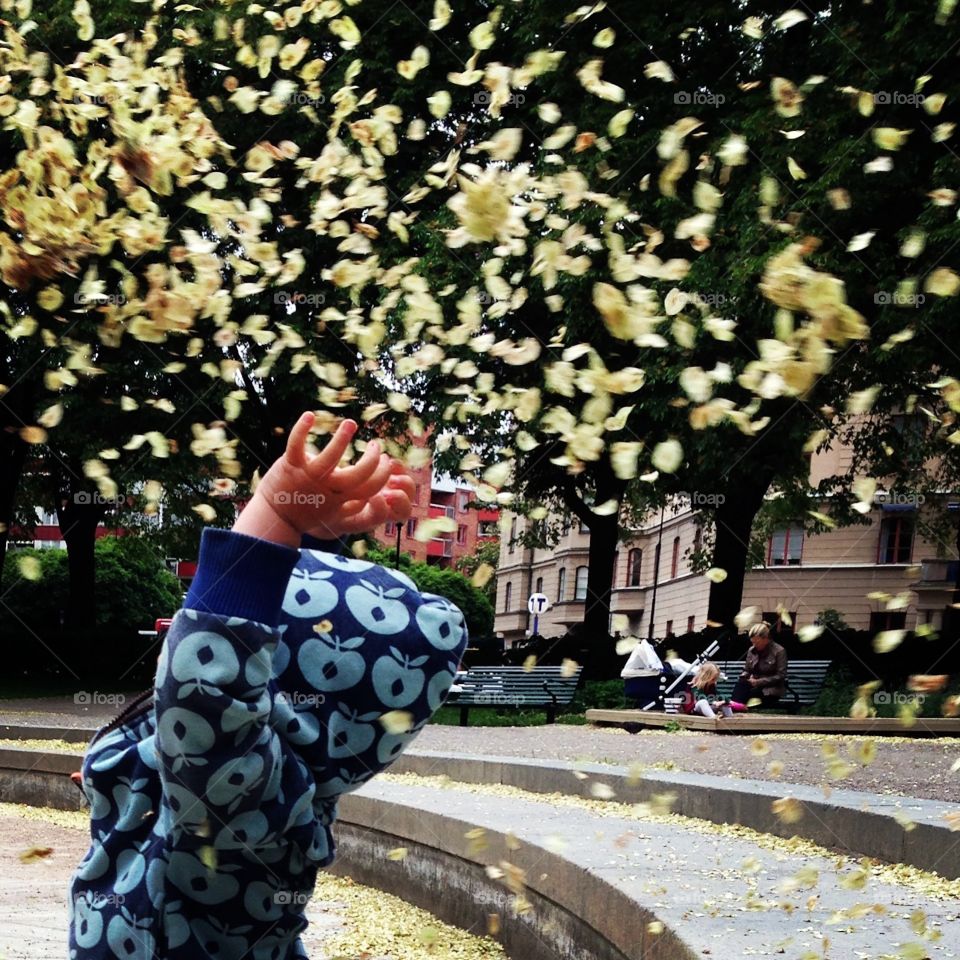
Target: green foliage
(475,604)
(832,619)
(487,553)
(133,589)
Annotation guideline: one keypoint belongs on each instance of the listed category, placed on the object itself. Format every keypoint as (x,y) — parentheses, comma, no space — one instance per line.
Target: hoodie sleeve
(215,750)
(383,655)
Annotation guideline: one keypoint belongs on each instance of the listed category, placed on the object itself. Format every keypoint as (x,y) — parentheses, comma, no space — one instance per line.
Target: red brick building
(439,496)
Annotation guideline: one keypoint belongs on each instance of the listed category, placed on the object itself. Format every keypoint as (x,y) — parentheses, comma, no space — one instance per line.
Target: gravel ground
(905,766)
(346,918)
(908,767)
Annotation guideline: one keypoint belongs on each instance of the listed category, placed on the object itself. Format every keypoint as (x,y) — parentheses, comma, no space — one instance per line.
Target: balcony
(440,547)
(441,510)
(937,575)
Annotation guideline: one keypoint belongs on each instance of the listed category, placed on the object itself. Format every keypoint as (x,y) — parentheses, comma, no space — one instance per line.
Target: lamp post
(396,561)
(656,575)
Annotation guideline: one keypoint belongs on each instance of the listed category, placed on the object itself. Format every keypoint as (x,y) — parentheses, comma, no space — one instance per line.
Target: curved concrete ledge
(854,822)
(574,914)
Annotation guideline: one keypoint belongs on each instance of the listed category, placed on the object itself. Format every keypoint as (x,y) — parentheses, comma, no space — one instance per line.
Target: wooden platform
(754,723)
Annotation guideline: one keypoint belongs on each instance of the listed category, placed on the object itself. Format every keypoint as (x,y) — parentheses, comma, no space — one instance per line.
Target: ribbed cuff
(240,576)
(327,546)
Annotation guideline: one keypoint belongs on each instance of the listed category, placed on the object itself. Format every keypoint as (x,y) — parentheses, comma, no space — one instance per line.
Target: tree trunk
(13,455)
(79,515)
(603,552)
(604,537)
(734,521)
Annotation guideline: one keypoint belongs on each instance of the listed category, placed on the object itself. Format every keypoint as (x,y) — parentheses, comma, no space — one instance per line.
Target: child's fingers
(374,484)
(326,460)
(399,504)
(348,479)
(296,451)
(371,516)
(404,483)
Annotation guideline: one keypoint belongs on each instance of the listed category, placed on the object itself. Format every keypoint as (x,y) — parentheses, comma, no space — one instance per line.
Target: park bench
(546,688)
(805,680)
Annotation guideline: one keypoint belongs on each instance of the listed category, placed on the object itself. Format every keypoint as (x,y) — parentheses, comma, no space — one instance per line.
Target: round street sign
(538,603)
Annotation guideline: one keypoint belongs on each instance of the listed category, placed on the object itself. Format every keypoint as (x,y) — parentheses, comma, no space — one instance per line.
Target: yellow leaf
(397,721)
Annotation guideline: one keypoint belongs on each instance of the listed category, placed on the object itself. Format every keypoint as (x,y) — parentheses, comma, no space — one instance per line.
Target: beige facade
(802,573)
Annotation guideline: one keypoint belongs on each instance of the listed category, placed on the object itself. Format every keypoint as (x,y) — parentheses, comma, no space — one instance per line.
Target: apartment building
(439,496)
(844,569)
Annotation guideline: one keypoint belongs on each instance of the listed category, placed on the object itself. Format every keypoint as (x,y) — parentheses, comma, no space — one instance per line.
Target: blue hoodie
(211,801)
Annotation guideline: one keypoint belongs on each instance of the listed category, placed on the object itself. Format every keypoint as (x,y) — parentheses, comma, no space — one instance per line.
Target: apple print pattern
(211,807)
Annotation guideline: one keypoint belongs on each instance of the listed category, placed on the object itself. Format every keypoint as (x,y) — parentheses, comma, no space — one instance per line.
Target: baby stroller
(653,684)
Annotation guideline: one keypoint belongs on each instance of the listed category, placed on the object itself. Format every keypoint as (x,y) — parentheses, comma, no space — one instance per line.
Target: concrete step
(600,885)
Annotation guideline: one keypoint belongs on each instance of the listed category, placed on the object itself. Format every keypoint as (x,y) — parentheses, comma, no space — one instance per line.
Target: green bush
(133,589)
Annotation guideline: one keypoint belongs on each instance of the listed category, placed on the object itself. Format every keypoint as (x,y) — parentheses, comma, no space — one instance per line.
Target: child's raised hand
(311,494)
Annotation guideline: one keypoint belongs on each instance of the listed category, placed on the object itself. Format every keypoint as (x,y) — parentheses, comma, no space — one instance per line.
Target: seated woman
(765,670)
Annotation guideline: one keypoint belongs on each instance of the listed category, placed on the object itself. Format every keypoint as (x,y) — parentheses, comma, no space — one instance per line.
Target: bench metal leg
(463,716)
(551,714)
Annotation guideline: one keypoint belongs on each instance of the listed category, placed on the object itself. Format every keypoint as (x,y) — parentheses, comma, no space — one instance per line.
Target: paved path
(909,767)
(726,896)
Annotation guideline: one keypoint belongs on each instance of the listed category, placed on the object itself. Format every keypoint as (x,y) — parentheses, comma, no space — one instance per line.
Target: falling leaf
(397,721)
(887,640)
(29,568)
(787,809)
(34,854)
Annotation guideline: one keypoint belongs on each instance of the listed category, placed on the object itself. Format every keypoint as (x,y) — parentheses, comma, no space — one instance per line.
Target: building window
(786,546)
(461,533)
(566,525)
(539,586)
(391,528)
(487,528)
(508,598)
(690,621)
(697,539)
(584,528)
(416,496)
(561,584)
(669,628)
(513,535)
(896,540)
(634,564)
(580,587)
(463,497)
(411,526)
(675,557)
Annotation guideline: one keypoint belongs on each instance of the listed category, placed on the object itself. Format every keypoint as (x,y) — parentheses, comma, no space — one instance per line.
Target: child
(702,688)
(212,796)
